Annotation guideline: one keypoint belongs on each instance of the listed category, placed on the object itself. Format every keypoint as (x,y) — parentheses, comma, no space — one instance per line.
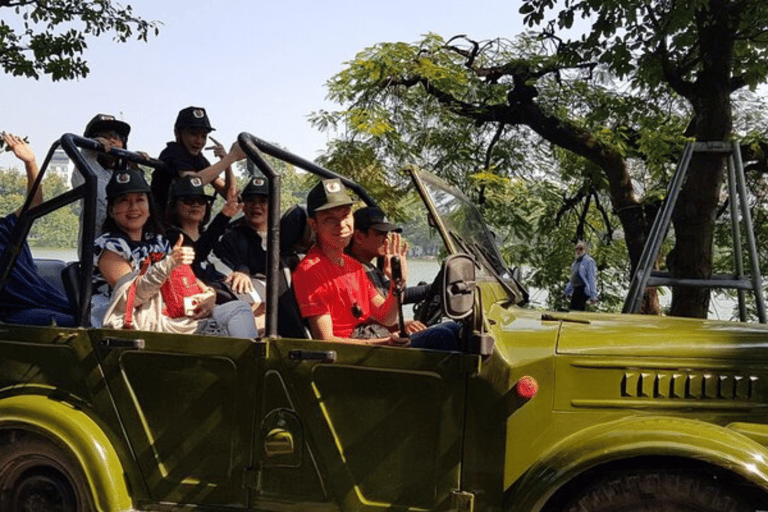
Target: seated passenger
(188,213)
(332,289)
(375,237)
(131,234)
(27,298)
(184,156)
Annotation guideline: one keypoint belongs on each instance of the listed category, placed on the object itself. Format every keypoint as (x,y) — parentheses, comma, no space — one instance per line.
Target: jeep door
(187,405)
(359,427)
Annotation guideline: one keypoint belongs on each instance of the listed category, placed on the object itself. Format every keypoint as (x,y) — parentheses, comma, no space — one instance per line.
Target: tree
(489,90)
(461,106)
(52,37)
(702,51)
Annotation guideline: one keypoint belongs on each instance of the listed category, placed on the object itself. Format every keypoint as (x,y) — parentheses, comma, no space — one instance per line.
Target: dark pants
(579,299)
(443,336)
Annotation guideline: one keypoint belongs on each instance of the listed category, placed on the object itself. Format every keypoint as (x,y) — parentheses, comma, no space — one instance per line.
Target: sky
(255,66)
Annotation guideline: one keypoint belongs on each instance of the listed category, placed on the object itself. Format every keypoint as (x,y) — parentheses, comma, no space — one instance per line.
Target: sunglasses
(194,200)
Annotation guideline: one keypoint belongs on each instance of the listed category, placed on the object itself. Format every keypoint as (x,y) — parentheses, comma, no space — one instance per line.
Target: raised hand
(19,147)
(182,255)
(218,148)
(396,246)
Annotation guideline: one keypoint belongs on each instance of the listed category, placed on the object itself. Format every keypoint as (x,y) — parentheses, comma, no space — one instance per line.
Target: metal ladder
(645,275)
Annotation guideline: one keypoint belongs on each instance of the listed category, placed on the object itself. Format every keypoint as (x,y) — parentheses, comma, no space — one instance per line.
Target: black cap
(326,195)
(373,217)
(123,182)
(256,187)
(105,122)
(189,186)
(193,117)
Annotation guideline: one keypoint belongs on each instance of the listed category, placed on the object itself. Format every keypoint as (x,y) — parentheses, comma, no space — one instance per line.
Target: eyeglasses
(194,200)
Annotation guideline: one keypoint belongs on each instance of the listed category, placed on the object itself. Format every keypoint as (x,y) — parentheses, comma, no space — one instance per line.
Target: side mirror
(458,286)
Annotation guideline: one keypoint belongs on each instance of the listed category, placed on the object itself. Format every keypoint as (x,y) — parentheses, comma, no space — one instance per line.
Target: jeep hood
(595,334)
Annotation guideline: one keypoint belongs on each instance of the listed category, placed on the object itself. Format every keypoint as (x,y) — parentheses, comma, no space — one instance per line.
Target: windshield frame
(479,243)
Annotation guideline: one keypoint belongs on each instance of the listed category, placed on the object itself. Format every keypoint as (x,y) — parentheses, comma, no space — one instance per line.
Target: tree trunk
(694,215)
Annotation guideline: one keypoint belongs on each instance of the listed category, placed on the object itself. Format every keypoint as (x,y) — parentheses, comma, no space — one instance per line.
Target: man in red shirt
(333,290)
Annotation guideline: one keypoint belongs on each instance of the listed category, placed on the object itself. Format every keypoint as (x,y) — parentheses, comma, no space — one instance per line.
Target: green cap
(326,195)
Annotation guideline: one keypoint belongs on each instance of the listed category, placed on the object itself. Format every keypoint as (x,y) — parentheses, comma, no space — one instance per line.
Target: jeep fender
(637,437)
(76,431)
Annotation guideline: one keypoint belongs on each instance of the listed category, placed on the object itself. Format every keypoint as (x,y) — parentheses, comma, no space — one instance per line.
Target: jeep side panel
(375,428)
(187,406)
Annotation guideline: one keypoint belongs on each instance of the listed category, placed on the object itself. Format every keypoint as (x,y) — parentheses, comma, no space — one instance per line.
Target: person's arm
(209,174)
(588,273)
(321,328)
(24,153)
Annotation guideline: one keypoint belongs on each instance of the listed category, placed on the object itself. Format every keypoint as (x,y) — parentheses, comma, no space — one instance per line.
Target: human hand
(19,147)
(414,326)
(182,255)
(236,152)
(106,143)
(395,340)
(396,246)
(205,305)
(239,282)
(232,206)
(218,148)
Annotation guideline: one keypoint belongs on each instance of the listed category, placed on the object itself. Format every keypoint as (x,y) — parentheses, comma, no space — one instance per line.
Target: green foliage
(55,230)
(53,38)
(645,41)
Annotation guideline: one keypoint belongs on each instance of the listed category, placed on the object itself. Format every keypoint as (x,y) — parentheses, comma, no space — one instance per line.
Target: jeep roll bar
(253,147)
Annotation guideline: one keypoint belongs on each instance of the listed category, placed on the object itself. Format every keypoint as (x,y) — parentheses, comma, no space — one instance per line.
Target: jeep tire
(657,491)
(36,475)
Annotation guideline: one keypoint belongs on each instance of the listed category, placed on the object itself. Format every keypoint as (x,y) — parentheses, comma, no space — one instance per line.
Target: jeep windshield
(464,229)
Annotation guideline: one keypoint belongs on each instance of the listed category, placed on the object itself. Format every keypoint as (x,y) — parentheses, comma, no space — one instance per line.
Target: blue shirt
(587,271)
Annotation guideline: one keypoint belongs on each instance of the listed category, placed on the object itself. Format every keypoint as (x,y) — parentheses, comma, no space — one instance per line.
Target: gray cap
(326,195)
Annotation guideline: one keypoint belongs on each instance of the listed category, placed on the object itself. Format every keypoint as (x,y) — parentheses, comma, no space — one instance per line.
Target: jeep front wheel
(36,475)
(657,491)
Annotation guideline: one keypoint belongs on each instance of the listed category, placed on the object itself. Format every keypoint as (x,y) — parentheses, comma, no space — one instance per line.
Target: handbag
(182,283)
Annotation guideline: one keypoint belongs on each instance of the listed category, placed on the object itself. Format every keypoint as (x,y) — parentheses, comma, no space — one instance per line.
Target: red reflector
(527,387)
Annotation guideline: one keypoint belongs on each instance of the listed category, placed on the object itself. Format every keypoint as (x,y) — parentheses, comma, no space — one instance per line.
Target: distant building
(61,165)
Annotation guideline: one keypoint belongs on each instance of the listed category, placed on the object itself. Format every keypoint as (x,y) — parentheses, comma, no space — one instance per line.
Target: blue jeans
(443,336)
(236,318)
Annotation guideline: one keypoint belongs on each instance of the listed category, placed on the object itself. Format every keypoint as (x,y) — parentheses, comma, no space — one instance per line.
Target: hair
(172,214)
(151,228)
(583,244)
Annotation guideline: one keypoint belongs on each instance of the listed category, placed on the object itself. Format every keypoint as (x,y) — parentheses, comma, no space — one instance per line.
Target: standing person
(110,133)
(333,290)
(372,234)
(27,298)
(188,213)
(131,235)
(581,288)
(184,155)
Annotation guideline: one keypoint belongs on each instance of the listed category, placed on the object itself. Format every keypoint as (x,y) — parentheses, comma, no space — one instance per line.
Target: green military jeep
(538,412)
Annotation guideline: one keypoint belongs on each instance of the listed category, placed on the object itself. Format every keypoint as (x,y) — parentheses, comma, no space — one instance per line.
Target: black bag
(370,331)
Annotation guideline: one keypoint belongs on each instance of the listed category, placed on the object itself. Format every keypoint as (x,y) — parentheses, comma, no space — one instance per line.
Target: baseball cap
(193,117)
(124,182)
(256,187)
(189,186)
(373,217)
(326,195)
(105,122)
